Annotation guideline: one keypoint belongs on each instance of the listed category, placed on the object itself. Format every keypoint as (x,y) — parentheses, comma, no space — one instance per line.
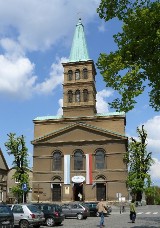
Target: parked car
(52,213)
(6,216)
(78,210)
(26,215)
(93,208)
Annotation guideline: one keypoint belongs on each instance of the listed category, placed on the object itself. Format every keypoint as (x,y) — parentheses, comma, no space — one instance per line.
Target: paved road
(147,217)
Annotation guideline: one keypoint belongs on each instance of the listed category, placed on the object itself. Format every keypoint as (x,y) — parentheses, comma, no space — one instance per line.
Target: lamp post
(153,192)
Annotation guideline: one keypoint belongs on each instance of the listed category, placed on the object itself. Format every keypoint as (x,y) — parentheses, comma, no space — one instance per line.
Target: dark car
(6,216)
(77,210)
(52,213)
(93,208)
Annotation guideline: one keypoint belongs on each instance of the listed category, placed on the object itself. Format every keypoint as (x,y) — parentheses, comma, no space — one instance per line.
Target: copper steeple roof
(79,50)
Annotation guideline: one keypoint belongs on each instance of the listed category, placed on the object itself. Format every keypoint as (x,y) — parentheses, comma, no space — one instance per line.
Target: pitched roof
(39,118)
(79,50)
(81,124)
(3,162)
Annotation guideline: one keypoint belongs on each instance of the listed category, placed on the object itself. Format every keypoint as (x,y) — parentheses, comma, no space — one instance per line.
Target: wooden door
(56,192)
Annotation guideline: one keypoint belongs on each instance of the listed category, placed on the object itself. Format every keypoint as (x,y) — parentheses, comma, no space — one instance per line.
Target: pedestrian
(101,209)
(80,196)
(132,211)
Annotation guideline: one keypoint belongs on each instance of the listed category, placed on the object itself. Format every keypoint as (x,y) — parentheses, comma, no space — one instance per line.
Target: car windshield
(5,210)
(58,208)
(85,204)
(33,208)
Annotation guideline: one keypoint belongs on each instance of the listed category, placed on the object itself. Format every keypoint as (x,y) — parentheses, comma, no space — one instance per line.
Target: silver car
(75,210)
(26,215)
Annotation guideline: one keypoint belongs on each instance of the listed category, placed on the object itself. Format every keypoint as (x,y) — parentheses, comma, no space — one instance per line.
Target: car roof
(46,204)
(90,202)
(3,205)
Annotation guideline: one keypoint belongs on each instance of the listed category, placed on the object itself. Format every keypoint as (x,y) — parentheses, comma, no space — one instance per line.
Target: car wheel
(97,214)
(50,222)
(23,224)
(79,216)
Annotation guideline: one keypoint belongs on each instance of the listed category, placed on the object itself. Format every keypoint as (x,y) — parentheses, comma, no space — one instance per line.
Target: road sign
(24,187)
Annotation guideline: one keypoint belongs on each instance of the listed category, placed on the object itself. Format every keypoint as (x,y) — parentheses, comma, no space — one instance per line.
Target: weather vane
(79,15)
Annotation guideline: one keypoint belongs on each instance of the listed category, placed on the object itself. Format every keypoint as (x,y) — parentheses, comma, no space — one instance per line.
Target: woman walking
(132,211)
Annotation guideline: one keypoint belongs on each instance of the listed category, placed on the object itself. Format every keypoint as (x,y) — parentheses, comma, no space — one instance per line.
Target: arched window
(57,161)
(78,160)
(85,73)
(100,159)
(70,96)
(77,96)
(77,74)
(70,75)
(85,95)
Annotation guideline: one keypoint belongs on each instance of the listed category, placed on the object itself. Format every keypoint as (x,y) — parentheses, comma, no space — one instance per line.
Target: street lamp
(154,190)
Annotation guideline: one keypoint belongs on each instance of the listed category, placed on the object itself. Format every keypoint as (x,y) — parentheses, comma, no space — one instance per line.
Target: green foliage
(139,162)
(136,63)
(16,147)
(153,195)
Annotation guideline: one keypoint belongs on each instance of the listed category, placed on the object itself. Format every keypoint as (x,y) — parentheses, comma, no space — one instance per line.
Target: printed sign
(78,179)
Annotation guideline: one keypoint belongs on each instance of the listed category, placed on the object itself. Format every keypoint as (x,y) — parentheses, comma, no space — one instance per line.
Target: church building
(79,155)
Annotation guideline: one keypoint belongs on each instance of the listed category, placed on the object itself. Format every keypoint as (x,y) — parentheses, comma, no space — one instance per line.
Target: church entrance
(56,192)
(101,191)
(78,192)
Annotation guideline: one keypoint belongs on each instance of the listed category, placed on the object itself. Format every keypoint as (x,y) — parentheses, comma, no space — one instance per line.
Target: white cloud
(11,48)
(55,78)
(102,105)
(17,76)
(60,111)
(154,171)
(152,126)
(28,26)
(38,24)
(17,73)
(154,145)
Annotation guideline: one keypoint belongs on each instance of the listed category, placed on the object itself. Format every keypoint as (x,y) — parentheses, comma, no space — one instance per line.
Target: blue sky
(35,37)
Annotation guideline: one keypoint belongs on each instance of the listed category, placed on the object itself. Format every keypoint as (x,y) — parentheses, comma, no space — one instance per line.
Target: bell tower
(79,91)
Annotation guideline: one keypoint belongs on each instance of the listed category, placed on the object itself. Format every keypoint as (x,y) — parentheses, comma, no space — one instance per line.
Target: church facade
(79,155)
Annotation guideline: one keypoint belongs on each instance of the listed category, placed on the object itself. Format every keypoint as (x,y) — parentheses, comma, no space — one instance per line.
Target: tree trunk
(139,196)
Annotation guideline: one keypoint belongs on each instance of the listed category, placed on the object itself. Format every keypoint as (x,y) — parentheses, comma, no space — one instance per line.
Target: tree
(16,147)
(153,195)
(135,66)
(139,162)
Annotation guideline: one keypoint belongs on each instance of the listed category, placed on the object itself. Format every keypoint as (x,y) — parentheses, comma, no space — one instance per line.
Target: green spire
(79,50)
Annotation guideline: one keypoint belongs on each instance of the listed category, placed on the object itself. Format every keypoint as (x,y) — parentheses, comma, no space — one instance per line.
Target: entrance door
(78,192)
(56,192)
(101,191)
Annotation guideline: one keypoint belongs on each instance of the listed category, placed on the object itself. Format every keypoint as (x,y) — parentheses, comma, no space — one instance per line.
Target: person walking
(101,209)
(132,211)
